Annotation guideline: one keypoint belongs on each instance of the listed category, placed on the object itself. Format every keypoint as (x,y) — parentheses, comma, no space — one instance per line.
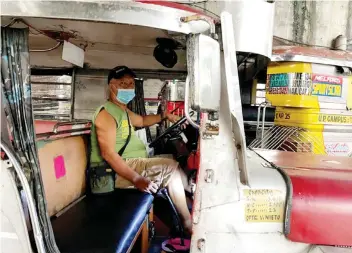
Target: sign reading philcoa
(330,86)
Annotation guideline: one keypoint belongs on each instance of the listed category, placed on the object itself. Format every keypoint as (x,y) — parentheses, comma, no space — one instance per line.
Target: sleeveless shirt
(134,149)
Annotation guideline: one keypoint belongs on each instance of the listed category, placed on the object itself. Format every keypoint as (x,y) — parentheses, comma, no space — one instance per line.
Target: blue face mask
(124,96)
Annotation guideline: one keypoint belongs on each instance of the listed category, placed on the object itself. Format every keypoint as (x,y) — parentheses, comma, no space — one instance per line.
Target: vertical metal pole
(258,121)
(73,80)
(263,125)
(189,119)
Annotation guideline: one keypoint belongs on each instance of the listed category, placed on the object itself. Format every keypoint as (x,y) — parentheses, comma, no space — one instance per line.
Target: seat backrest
(63,164)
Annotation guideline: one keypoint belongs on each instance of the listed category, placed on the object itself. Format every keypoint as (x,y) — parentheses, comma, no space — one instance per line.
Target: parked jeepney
(311,91)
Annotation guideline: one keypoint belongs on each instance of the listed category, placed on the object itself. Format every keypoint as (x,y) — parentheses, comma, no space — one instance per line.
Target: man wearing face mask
(110,130)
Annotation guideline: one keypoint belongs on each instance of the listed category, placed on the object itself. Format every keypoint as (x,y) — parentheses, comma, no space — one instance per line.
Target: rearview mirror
(203,63)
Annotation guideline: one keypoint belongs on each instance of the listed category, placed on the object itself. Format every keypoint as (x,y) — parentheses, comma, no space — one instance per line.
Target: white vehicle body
(229,174)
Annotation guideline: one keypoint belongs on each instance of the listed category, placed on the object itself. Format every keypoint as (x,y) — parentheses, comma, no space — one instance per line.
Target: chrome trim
(71,132)
(200,18)
(70,123)
(264,105)
(132,13)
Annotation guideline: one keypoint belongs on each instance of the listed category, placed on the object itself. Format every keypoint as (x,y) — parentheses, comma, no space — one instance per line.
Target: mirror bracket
(196,17)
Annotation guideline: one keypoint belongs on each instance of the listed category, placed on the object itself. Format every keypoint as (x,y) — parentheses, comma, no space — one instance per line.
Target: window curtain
(137,105)
(17,104)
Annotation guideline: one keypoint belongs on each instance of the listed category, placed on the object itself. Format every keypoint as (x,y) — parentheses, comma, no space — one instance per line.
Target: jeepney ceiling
(94,32)
(102,42)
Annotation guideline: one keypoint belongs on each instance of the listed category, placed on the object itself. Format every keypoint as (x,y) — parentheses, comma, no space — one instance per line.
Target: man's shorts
(157,169)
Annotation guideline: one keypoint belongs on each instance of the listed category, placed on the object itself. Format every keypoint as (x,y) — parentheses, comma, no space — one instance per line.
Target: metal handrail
(49,134)
(69,123)
(201,18)
(264,105)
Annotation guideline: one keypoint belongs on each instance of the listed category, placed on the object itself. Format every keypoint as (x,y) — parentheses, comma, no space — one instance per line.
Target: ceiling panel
(107,45)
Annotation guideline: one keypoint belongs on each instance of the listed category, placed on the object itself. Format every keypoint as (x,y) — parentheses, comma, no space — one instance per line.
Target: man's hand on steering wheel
(171,117)
(174,118)
(180,123)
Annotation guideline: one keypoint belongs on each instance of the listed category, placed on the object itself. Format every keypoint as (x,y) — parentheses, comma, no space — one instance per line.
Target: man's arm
(149,120)
(106,133)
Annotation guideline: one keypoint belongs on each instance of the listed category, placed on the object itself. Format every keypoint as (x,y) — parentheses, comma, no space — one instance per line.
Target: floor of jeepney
(155,247)
(161,234)
(161,231)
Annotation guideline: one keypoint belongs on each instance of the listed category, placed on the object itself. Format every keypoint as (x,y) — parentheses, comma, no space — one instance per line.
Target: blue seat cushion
(104,224)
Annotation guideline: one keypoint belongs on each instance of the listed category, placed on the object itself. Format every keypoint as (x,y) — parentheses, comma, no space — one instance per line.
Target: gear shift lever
(179,225)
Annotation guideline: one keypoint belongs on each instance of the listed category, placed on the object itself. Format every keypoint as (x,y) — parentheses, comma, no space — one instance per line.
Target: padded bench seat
(104,224)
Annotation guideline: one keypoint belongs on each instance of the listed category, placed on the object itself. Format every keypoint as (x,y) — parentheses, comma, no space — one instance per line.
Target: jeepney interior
(64,99)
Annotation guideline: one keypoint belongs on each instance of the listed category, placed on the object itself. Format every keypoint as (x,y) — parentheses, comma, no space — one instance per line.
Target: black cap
(119,72)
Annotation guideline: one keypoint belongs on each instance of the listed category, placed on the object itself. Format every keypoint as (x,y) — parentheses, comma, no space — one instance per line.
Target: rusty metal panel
(312,55)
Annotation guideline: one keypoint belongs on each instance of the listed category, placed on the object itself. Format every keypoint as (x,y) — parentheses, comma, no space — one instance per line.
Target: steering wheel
(169,130)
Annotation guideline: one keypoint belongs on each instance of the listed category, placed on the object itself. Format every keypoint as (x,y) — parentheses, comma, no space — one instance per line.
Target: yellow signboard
(330,86)
(263,205)
(335,118)
(309,117)
(329,90)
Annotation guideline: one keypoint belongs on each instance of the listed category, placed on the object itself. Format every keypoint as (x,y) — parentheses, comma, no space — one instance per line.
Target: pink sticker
(59,165)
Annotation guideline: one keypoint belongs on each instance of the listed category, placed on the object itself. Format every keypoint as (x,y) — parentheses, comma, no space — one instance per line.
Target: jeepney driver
(134,169)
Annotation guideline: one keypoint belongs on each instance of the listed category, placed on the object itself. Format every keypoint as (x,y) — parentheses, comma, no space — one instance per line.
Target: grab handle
(70,123)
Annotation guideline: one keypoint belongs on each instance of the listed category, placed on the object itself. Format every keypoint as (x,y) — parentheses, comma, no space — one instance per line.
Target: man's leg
(166,174)
(177,194)
(186,185)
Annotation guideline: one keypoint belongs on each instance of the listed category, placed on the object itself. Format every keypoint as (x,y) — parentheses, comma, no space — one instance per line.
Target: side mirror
(203,61)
